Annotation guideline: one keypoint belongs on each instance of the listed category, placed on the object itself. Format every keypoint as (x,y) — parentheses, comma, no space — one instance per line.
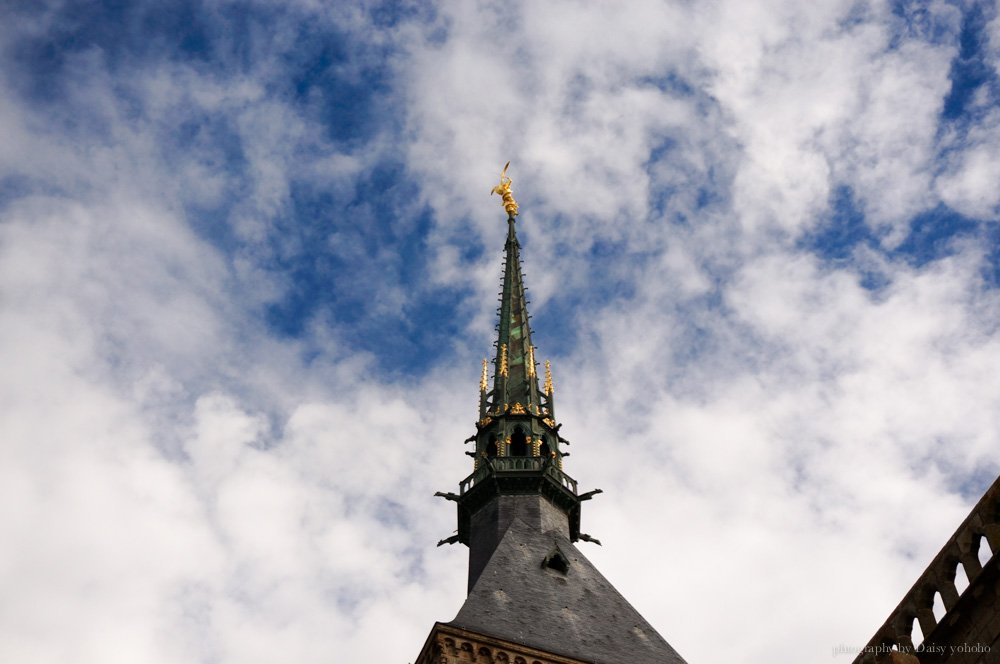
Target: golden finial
(482,380)
(548,378)
(506,194)
(531,361)
(503,360)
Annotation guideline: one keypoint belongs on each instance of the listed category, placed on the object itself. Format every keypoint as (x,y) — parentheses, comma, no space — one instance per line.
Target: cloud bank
(248,262)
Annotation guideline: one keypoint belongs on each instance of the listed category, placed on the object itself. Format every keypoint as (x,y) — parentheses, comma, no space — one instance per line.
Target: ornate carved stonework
(450,645)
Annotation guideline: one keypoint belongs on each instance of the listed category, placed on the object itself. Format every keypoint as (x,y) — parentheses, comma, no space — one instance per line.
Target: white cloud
(180,485)
(968,183)
(230,541)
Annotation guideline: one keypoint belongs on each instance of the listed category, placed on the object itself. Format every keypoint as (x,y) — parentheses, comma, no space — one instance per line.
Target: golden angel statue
(506,194)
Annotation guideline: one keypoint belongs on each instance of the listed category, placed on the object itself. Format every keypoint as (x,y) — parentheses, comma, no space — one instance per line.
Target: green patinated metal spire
(516,417)
(515,370)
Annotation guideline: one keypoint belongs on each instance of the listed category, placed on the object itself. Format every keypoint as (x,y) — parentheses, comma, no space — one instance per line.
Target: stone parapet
(968,631)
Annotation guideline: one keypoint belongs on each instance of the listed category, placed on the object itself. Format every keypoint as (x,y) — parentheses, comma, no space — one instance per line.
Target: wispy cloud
(248,262)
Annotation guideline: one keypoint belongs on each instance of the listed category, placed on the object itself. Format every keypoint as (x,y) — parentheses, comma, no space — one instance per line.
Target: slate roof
(577,614)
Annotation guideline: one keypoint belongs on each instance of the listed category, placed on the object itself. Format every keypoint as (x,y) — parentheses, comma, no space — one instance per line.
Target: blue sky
(249,267)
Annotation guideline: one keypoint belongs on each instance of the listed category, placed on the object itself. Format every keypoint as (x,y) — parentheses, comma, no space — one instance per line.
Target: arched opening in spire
(518,443)
(544,450)
(493,447)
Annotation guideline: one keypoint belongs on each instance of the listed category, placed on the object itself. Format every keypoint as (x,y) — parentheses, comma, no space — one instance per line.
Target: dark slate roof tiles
(577,614)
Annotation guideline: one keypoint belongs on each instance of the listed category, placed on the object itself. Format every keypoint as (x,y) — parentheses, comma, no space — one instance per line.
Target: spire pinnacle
(514,412)
(548,378)
(482,380)
(515,383)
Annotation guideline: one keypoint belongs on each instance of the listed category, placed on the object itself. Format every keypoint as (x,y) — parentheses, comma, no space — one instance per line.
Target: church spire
(533,596)
(519,411)
(518,448)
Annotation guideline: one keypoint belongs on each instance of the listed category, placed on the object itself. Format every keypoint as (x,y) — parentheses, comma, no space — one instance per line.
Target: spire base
(517,476)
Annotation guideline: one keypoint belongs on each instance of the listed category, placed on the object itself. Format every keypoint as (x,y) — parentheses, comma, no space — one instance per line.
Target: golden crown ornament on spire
(506,194)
